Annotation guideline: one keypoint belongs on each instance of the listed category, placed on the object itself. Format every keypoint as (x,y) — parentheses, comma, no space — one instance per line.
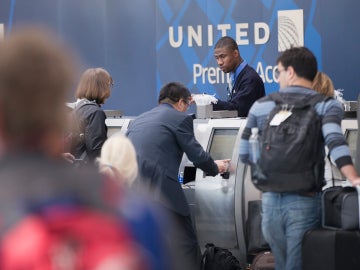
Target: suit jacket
(160,137)
(248,88)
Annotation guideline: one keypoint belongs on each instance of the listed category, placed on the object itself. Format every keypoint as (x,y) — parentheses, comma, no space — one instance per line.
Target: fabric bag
(254,236)
(263,261)
(217,258)
(290,160)
(341,208)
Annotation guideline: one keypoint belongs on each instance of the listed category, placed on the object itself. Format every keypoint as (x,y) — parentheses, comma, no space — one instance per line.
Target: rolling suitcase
(324,249)
(341,208)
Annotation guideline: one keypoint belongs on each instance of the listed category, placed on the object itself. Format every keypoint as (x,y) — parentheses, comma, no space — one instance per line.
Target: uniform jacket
(160,137)
(248,88)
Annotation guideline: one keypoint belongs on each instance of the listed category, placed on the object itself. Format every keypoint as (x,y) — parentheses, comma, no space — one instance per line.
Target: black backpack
(292,152)
(217,258)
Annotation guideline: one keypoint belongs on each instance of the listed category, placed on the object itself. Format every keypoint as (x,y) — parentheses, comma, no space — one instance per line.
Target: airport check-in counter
(219,204)
(116,125)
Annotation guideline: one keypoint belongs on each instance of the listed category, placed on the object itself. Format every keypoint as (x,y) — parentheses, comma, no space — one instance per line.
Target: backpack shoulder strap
(311,99)
(314,99)
(276,97)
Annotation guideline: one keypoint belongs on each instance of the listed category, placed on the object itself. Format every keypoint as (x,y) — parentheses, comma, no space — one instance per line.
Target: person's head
(227,54)
(175,94)
(323,84)
(95,84)
(296,66)
(36,75)
(118,159)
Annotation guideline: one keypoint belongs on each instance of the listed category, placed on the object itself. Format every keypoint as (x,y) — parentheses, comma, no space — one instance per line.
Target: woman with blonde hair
(323,84)
(118,160)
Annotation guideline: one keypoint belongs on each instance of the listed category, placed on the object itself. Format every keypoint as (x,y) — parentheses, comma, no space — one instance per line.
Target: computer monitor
(222,142)
(351,138)
(112,130)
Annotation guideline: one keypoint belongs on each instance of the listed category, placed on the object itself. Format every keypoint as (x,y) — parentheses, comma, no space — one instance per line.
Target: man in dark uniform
(245,86)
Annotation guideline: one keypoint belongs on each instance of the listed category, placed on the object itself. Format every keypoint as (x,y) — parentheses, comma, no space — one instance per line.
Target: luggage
(254,237)
(340,208)
(290,160)
(263,261)
(217,258)
(324,249)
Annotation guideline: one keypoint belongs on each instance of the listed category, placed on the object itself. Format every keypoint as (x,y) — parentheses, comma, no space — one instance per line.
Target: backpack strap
(314,99)
(277,97)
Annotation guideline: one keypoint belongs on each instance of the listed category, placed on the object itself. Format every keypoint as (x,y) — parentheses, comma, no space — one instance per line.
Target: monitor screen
(112,130)
(222,142)
(351,138)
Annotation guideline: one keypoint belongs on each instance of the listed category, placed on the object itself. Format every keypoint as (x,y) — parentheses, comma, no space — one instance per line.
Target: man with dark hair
(288,215)
(161,136)
(245,86)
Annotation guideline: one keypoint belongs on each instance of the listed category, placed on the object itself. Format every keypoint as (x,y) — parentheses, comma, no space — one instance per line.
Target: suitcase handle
(358,192)
(333,195)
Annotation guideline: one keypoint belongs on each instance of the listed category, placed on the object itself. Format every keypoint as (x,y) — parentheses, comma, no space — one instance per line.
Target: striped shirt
(330,110)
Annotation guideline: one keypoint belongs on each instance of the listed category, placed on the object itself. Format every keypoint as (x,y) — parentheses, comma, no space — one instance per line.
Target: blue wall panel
(133,40)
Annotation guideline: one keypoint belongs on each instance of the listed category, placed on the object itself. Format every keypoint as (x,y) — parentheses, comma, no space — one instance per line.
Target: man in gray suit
(161,136)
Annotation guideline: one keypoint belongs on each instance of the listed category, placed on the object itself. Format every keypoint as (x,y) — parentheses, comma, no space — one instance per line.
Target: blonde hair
(118,159)
(323,84)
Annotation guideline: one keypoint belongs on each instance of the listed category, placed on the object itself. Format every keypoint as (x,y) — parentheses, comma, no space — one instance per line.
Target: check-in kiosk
(219,204)
(116,125)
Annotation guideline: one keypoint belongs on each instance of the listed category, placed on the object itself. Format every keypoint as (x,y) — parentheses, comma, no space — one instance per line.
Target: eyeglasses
(187,102)
(277,73)
(111,84)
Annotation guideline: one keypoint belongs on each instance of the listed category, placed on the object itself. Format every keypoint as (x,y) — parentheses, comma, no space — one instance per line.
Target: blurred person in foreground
(161,136)
(149,225)
(52,217)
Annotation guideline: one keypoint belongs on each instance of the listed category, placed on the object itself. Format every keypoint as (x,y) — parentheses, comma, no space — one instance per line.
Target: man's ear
(178,105)
(236,53)
(291,71)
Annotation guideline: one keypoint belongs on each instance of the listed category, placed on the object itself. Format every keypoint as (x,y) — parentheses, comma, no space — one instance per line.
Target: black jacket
(248,88)
(91,120)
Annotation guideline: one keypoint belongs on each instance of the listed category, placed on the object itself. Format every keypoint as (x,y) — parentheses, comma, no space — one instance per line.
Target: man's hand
(223,165)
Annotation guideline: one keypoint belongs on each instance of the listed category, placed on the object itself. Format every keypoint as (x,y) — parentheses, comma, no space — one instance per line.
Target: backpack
(70,237)
(217,258)
(292,150)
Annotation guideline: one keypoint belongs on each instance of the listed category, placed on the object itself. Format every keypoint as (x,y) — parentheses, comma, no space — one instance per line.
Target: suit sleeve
(250,89)
(193,149)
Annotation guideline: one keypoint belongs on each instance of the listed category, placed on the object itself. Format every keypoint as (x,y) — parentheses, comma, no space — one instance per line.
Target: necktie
(231,85)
